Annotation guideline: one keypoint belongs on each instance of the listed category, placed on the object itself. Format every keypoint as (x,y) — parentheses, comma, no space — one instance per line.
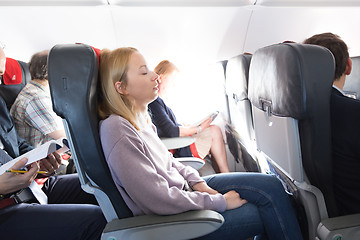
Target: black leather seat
(289,89)
(73,79)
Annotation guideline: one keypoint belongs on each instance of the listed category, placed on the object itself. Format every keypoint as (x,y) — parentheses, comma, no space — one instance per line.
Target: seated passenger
(208,138)
(152,181)
(32,110)
(345,128)
(70,213)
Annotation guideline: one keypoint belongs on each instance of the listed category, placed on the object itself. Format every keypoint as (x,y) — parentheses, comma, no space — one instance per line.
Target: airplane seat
(174,143)
(241,124)
(16,76)
(352,82)
(73,76)
(289,89)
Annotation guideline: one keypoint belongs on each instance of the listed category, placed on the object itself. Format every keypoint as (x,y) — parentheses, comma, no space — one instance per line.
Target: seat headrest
(237,76)
(13,74)
(16,76)
(96,50)
(286,77)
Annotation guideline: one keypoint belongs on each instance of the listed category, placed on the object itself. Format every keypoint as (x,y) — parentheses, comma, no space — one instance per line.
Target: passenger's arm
(188,131)
(149,190)
(57,134)
(145,179)
(46,121)
(12,182)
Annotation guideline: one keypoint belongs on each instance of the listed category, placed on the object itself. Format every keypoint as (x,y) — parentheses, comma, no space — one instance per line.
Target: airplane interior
(223,49)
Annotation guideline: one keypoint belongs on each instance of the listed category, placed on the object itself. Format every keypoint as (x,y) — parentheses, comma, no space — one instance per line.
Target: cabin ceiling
(183,3)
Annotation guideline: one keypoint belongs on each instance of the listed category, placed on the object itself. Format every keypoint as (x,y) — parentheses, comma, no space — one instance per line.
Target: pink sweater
(149,179)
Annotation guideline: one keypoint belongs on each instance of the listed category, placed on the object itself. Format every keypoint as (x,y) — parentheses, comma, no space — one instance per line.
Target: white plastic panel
(52,2)
(308,3)
(27,30)
(182,2)
(278,138)
(270,25)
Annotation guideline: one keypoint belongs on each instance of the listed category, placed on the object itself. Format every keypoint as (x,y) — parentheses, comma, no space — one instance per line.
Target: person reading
(208,138)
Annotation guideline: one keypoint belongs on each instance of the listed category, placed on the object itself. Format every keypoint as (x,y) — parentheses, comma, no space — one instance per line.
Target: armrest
(348,227)
(186,225)
(193,162)
(177,142)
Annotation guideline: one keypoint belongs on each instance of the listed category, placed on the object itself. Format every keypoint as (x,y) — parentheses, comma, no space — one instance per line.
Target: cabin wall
(270,25)
(194,38)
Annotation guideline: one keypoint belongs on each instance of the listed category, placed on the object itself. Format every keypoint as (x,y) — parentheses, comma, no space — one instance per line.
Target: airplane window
(197,92)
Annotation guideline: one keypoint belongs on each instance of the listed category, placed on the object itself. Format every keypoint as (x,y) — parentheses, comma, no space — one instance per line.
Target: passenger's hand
(12,182)
(233,200)
(206,123)
(51,163)
(203,187)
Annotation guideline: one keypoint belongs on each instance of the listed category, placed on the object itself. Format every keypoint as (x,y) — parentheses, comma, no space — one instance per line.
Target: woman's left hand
(203,187)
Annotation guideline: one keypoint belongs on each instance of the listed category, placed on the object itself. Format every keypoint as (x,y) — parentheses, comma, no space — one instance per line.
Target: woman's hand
(12,182)
(203,187)
(233,200)
(206,123)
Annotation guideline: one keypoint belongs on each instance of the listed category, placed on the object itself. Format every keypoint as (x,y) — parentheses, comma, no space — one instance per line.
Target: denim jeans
(268,213)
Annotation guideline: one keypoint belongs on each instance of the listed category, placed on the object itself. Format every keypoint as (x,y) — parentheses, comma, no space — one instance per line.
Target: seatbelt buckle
(24,196)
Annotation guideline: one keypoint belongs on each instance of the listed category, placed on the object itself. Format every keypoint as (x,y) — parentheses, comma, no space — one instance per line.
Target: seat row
(279,108)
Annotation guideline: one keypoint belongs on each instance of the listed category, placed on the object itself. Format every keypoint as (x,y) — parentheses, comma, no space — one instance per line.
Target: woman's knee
(216,132)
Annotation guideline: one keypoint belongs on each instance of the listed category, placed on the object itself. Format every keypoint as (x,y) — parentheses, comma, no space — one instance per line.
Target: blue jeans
(268,213)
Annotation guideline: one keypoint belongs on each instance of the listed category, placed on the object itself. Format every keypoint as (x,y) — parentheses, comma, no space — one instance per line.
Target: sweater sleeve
(133,169)
(190,174)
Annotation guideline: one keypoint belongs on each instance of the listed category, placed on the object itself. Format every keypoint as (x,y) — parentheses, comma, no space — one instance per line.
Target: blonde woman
(152,181)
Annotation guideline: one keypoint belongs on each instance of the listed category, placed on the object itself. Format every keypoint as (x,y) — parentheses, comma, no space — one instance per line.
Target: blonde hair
(113,68)
(165,67)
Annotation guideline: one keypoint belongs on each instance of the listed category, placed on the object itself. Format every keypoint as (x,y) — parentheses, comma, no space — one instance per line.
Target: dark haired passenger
(32,111)
(208,138)
(70,213)
(152,181)
(345,127)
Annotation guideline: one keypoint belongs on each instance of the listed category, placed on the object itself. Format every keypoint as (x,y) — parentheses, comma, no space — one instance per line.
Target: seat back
(237,76)
(241,122)
(352,82)
(73,77)
(289,89)
(16,76)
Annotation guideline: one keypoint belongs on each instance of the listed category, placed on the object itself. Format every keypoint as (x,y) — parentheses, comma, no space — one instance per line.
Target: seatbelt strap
(38,193)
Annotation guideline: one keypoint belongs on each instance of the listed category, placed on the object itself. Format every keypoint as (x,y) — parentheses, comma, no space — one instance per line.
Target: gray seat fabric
(289,88)
(73,79)
(352,82)
(242,128)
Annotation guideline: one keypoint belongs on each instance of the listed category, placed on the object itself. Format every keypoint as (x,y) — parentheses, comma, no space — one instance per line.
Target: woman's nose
(157,78)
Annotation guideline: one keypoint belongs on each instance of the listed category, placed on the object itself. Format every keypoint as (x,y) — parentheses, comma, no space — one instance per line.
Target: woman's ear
(120,88)
(348,66)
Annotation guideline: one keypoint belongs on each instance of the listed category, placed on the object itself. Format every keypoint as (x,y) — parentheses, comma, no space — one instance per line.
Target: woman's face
(166,82)
(142,84)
